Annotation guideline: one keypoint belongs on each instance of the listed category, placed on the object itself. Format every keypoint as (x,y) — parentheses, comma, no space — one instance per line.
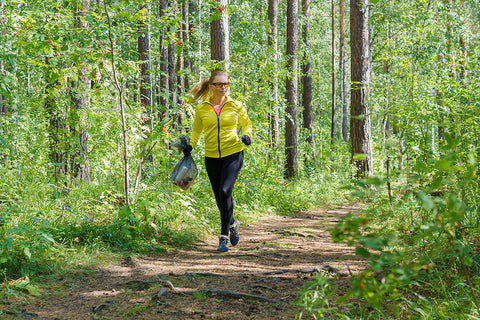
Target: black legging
(223,173)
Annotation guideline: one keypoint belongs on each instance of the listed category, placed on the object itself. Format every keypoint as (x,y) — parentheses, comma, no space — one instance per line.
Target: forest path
(257,279)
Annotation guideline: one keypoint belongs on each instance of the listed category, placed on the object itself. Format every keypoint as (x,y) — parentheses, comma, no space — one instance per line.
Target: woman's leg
(230,169)
(222,174)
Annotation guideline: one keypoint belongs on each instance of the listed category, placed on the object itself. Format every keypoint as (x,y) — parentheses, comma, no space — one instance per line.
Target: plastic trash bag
(184,173)
(186,170)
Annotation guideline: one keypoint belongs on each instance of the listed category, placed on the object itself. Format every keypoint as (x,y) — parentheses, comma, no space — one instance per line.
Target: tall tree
(120,89)
(386,70)
(164,86)
(219,33)
(273,45)
(143,45)
(463,61)
(81,98)
(56,127)
(360,120)
(182,35)
(307,95)
(334,76)
(343,73)
(291,164)
(172,64)
(3,102)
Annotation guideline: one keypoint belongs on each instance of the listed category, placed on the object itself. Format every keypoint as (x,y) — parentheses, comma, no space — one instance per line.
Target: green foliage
(315,299)
(422,242)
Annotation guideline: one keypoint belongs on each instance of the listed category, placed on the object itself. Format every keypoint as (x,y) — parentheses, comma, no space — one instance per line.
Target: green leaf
(48,238)
(442,164)
(125,212)
(426,200)
(360,156)
(27,252)
(3,142)
(362,252)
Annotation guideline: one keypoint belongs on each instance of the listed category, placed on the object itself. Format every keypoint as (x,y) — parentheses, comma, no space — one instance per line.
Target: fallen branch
(294,234)
(232,294)
(324,268)
(23,314)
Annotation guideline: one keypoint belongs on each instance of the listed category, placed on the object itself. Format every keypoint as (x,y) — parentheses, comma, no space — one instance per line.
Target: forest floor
(260,278)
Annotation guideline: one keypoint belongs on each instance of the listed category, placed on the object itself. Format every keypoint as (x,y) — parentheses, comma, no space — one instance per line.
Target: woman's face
(219,85)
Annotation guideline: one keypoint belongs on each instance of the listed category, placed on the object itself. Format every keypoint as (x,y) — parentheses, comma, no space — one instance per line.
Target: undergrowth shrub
(422,245)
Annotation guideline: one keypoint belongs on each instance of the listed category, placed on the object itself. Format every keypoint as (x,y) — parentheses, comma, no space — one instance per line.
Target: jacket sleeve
(197,128)
(245,121)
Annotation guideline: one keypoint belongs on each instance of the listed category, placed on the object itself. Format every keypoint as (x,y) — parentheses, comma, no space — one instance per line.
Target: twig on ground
(323,268)
(233,294)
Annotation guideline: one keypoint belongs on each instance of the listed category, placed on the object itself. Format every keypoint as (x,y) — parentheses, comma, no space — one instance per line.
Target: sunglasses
(221,84)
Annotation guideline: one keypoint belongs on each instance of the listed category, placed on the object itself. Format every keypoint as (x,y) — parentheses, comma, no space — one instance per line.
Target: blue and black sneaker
(223,244)
(234,233)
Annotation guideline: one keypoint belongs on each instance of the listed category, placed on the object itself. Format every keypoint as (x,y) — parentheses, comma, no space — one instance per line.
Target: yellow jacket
(221,132)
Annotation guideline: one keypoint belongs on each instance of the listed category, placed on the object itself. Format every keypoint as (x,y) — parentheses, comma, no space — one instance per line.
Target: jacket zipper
(218,129)
(218,133)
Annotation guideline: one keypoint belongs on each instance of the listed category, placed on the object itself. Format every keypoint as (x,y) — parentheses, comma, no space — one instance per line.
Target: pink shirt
(218,109)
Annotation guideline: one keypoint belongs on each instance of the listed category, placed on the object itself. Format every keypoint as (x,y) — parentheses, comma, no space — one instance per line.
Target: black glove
(187,150)
(246,140)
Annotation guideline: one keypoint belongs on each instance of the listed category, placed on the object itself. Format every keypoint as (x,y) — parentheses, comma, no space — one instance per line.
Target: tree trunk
(463,61)
(219,34)
(334,82)
(451,52)
(3,100)
(439,101)
(182,34)
(172,74)
(360,120)
(119,88)
(164,65)
(343,73)
(291,91)
(143,44)
(81,100)
(386,113)
(56,130)
(307,80)
(273,45)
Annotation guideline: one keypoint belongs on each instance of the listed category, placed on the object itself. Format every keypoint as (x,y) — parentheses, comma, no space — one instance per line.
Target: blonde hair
(200,91)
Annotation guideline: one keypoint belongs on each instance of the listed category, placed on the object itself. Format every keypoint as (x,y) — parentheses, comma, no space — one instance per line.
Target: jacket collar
(207,100)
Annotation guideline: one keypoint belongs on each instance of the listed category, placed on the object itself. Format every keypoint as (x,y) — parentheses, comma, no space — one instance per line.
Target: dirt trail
(257,279)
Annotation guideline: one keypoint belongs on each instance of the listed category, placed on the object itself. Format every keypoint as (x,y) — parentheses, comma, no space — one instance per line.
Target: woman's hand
(246,140)
(187,150)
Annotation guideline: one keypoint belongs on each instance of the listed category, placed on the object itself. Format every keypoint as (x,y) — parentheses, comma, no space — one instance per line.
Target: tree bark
(291,164)
(81,163)
(386,112)
(463,61)
(334,80)
(219,33)
(3,100)
(143,45)
(273,45)
(451,52)
(119,87)
(182,34)
(360,120)
(307,96)
(172,73)
(343,72)
(56,130)
(164,64)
